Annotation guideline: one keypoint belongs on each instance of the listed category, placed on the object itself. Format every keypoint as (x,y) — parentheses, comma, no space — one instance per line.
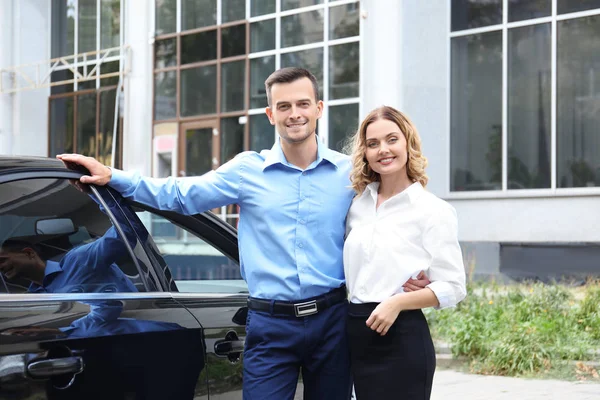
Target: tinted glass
(343,123)
(86,124)
(476,112)
(262,35)
(61,229)
(468,14)
(343,21)
(233,85)
(261,7)
(344,70)
(302,28)
(198,14)
(233,10)
(529,81)
(260,69)
(262,133)
(577,103)
(165,95)
(199,91)
(233,41)
(519,10)
(165,16)
(201,46)
(165,53)
(567,6)
(61,125)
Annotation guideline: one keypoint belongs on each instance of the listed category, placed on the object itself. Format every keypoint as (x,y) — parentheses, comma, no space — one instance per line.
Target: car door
(97,321)
(200,258)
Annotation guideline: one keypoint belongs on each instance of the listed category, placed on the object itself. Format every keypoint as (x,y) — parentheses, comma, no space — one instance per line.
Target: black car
(104,298)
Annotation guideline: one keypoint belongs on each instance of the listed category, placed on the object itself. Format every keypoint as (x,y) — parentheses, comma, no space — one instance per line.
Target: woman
(394,230)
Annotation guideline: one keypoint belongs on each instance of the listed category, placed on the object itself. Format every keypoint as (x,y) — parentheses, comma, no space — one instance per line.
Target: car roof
(28,163)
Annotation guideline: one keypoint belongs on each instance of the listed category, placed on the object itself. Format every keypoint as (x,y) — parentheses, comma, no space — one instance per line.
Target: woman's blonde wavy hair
(361,174)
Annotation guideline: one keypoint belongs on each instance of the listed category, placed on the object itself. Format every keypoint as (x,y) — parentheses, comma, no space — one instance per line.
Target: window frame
(553,191)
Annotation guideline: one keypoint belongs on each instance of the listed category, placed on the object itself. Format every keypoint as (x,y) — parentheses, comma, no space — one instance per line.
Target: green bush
(517,329)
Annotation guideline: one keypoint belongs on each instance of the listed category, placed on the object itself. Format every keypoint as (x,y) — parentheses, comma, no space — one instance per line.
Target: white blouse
(412,231)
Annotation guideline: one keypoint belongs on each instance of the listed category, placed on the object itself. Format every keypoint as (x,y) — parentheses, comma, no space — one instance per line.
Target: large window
(211,58)
(525,95)
(86,37)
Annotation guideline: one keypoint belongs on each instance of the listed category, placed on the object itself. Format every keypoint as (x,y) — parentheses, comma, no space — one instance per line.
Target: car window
(195,265)
(56,238)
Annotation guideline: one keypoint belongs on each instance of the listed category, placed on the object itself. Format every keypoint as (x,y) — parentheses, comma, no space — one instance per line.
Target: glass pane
(529,79)
(233,10)
(311,59)
(476,112)
(233,41)
(343,21)
(262,133)
(519,10)
(165,92)
(343,70)
(468,14)
(198,151)
(343,123)
(63,28)
(201,46)
(291,4)
(261,7)
(233,85)
(262,35)
(166,16)
(110,22)
(165,53)
(232,138)
(61,76)
(198,14)
(578,102)
(567,6)
(107,68)
(88,13)
(88,83)
(199,91)
(260,69)
(302,28)
(86,124)
(107,123)
(61,125)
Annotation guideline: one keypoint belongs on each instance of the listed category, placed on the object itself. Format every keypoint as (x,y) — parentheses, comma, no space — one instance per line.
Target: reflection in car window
(56,239)
(195,265)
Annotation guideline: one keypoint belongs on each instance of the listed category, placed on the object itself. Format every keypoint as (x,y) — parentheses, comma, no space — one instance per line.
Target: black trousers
(399,365)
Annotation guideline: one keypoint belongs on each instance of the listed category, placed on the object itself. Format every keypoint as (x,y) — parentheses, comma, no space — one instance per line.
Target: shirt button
(300,245)
(303,172)
(302,221)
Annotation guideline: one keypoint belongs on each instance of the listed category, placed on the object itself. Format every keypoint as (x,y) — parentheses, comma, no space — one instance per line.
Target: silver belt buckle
(304,309)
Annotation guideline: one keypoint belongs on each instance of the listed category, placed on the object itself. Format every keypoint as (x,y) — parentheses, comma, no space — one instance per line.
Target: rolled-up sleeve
(446,270)
(188,195)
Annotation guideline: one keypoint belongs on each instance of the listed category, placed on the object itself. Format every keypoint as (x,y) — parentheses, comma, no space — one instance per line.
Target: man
(293,202)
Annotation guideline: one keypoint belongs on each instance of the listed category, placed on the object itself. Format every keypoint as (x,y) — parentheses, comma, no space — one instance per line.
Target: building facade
(505,94)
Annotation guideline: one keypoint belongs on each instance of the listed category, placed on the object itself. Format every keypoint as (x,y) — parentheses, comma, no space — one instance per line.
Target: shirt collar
(52,267)
(412,193)
(276,155)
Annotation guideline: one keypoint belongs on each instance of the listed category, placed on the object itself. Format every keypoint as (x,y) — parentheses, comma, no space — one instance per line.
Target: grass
(524,330)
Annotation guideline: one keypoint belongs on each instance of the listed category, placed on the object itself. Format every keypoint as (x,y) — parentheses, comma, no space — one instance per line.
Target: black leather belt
(300,308)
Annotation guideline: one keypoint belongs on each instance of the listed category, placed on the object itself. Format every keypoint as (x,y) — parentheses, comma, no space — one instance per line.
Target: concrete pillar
(6,100)
(381,54)
(137,138)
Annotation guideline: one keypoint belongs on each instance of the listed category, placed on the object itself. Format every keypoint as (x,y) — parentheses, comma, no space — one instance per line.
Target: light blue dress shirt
(292,221)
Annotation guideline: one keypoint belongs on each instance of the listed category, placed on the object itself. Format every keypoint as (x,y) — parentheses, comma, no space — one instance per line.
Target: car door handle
(226,347)
(55,366)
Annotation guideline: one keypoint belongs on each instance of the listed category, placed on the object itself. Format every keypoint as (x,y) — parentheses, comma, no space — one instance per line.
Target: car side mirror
(240,316)
(54,226)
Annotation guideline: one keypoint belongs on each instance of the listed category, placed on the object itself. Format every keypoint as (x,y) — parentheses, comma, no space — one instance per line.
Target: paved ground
(452,385)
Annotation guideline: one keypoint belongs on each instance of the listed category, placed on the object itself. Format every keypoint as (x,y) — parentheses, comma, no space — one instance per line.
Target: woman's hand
(384,315)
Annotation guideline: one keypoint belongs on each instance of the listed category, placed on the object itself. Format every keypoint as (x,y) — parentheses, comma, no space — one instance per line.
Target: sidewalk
(452,385)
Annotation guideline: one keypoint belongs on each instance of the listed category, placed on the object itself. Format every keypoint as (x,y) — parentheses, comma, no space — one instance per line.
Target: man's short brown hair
(289,75)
